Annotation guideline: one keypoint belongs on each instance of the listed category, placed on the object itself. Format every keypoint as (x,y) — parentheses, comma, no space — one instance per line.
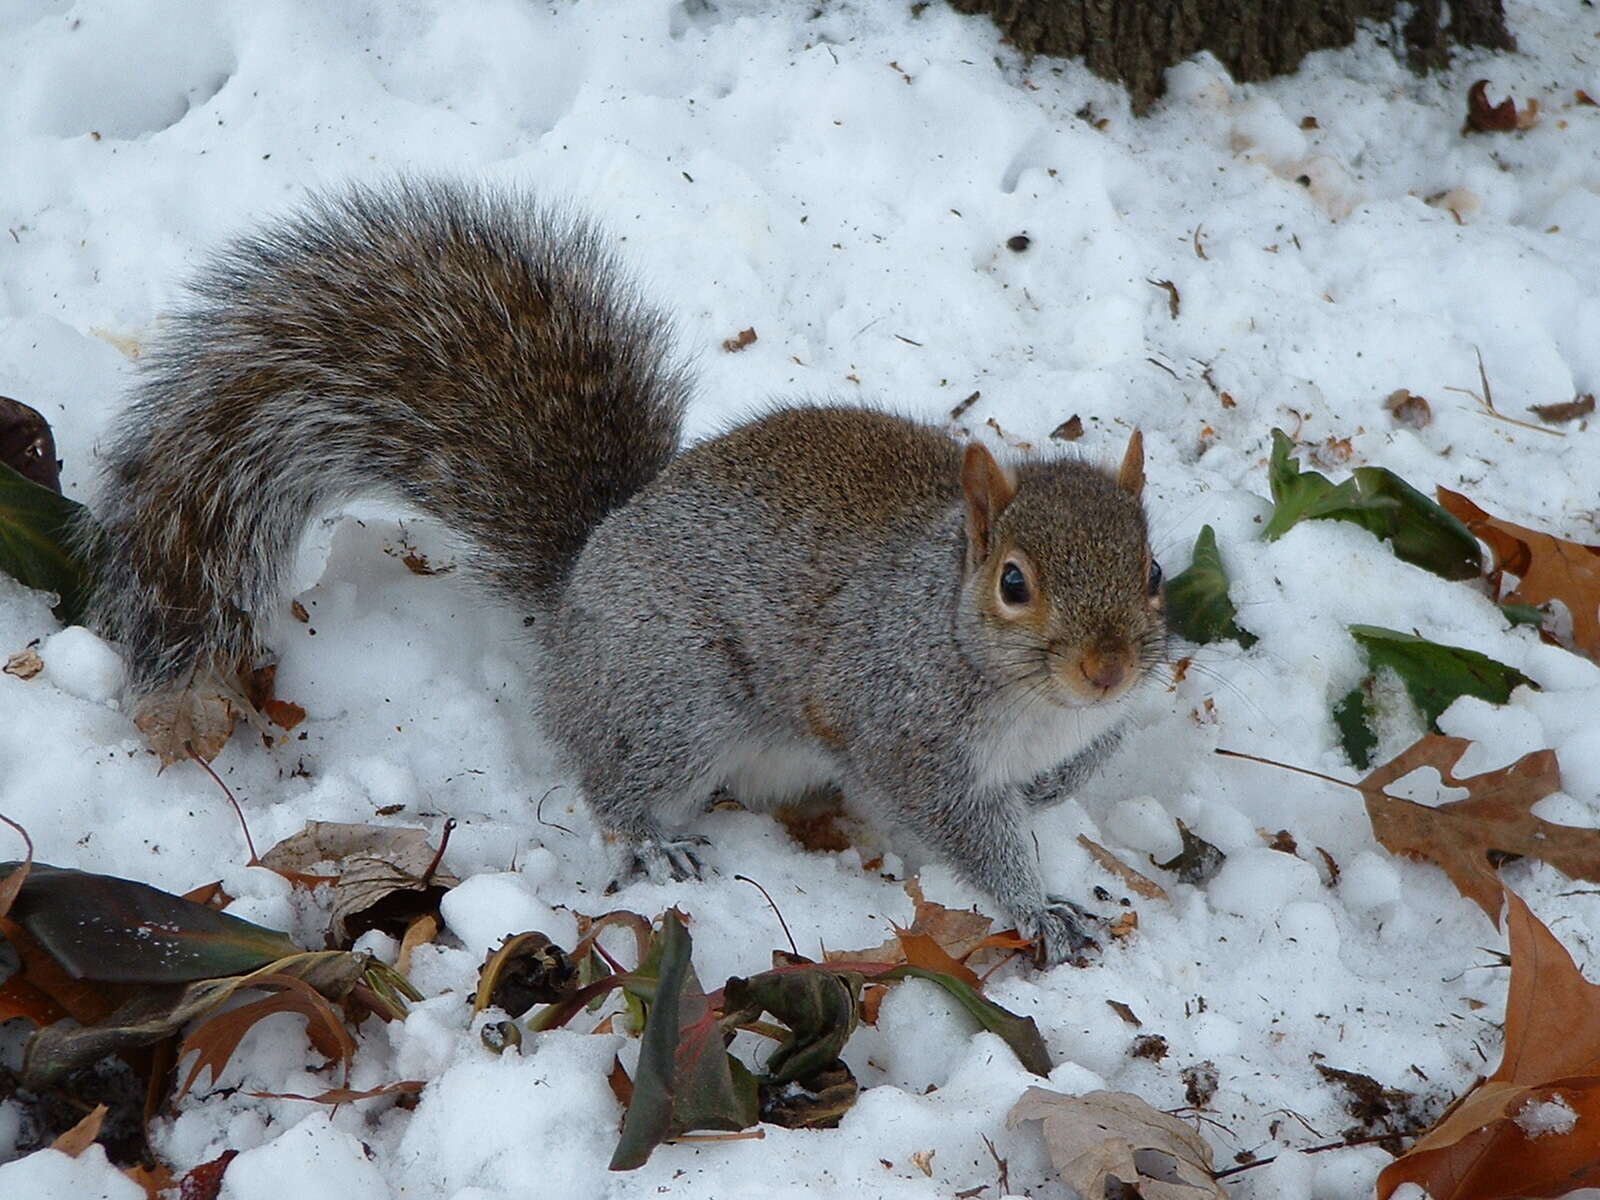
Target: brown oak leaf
(1469,838)
(1547,567)
(1492,1144)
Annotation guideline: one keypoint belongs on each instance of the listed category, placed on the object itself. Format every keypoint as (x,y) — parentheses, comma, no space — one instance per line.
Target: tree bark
(1135,41)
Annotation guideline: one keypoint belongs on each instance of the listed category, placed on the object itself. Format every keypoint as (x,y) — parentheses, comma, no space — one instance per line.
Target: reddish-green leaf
(117,930)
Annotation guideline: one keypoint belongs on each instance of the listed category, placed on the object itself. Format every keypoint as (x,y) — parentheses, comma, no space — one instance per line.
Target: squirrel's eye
(1155,578)
(1013,585)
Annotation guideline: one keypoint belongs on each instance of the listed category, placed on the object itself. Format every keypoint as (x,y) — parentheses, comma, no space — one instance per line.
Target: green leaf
(648,1121)
(820,1007)
(1522,614)
(1375,498)
(1300,495)
(1435,675)
(685,1078)
(1198,607)
(114,930)
(1020,1033)
(35,528)
(1353,717)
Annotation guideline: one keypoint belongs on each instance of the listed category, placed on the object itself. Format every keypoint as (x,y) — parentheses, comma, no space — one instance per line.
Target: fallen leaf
(104,928)
(283,713)
(37,532)
(745,337)
(1069,430)
(1482,117)
(384,876)
(817,1101)
(178,720)
(1142,884)
(25,664)
(1408,409)
(1355,717)
(1198,607)
(82,1135)
(1123,1011)
(1481,1149)
(1173,299)
(524,970)
(1571,410)
(1094,1140)
(1420,532)
(204,1182)
(344,1095)
(27,445)
(11,882)
(923,1161)
(422,931)
(959,934)
(213,1042)
(1436,675)
(155,1180)
(1546,567)
(1469,838)
(1196,862)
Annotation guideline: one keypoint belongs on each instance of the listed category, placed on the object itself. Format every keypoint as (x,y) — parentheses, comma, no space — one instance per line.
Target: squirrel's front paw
(1060,930)
(661,860)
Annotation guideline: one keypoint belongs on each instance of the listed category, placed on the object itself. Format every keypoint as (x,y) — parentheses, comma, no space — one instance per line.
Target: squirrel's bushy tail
(463,350)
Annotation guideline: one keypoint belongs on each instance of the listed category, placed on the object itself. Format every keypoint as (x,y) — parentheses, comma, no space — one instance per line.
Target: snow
(844,180)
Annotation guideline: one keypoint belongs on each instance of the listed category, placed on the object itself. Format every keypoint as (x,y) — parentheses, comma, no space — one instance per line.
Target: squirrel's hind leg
(637,799)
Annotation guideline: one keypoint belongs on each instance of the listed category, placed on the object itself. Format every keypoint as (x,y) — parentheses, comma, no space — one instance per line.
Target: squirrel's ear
(989,487)
(1131,477)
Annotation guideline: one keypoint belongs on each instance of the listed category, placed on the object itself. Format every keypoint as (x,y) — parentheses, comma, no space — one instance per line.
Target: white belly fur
(1023,745)
(762,775)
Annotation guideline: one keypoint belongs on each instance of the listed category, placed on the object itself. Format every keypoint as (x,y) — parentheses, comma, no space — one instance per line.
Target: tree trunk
(1135,41)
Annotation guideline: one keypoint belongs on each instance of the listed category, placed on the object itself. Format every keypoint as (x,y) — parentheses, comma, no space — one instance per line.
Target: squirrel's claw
(1060,929)
(661,860)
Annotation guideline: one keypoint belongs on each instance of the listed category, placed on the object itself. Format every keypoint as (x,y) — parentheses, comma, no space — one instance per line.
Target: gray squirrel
(822,596)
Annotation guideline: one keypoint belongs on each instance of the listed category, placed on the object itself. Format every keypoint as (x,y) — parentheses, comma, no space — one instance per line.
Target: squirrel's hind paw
(1061,930)
(661,860)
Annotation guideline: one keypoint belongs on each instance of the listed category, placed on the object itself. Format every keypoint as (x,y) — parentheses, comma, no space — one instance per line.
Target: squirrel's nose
(1105,666)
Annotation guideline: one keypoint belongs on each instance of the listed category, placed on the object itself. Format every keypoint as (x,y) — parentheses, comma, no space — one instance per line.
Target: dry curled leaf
(179,721)
(1483,117)
(25,664)
(26,444)
(1499,1141)
(1095,1142)
(1142,884)
(383,876)
(1408,409)
(1069,430)
(1546,567)
(1469,838)
(1571,410)
(214,1041)
(740,340)
(204,1182)
(82,1135)
(950,940)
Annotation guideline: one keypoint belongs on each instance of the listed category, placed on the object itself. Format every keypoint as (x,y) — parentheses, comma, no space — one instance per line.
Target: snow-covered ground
(844,179)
